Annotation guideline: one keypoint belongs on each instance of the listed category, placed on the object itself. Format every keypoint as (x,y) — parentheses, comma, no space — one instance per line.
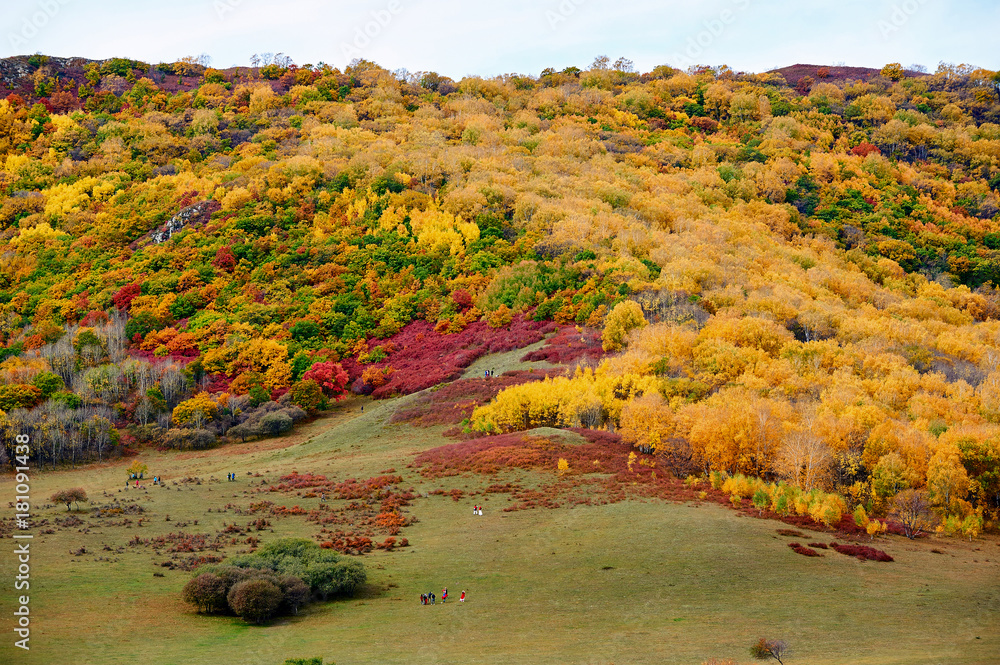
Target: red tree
(864,149)
(125,295)
(330,376)
(224,259)
(462,299)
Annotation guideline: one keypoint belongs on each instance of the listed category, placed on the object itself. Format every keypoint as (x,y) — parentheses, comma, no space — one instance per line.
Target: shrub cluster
(278,578)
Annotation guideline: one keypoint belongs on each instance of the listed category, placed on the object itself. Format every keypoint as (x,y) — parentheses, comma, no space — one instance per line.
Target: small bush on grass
(862,552)
(804,551)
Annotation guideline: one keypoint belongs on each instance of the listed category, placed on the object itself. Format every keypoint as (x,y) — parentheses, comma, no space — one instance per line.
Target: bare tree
(144,412)
(766,649)
(61,358)
(112,334)
(913,511)
(805,458)
(172,384)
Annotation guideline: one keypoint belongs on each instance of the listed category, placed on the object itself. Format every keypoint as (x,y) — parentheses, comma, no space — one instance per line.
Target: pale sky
(461,37)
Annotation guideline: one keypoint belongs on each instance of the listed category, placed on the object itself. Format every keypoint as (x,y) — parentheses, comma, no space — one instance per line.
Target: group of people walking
(477,510)
(430,598)
(230,476)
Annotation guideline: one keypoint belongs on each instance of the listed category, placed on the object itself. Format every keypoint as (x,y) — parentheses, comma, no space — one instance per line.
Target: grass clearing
(630,582)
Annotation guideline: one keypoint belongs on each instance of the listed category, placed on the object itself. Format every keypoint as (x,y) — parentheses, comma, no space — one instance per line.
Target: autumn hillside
(795,283)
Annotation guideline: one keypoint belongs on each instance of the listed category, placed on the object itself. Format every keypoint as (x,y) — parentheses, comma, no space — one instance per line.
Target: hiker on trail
(461,598)
(444,595)
(475,510)
(432,598)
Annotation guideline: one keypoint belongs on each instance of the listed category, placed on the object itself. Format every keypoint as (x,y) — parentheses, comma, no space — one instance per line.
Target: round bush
(255,600)
(296,592)
(274,423)
(207,592)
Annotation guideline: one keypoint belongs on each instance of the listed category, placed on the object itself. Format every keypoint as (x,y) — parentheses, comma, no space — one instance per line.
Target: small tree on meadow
(912,510)
(137,469)
(761,500)
(75,495)
(766,649)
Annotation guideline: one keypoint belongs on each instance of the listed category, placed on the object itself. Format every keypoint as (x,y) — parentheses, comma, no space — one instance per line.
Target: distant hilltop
(19,74)
(794,73)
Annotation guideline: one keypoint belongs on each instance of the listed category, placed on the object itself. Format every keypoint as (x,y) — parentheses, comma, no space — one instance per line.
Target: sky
(464,37)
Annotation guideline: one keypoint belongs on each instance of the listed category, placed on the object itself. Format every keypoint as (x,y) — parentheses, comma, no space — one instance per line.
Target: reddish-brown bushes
(804,551)
(862,552)
(296,481)
(569,346)
(422,357)
(371,488)
(455,401)
(391,523)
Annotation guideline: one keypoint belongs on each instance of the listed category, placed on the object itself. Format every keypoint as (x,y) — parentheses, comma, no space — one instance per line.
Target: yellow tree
(647,422)
(947,480)
(626,316)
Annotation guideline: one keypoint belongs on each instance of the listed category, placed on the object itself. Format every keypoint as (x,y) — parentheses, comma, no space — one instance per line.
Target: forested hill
(186,251)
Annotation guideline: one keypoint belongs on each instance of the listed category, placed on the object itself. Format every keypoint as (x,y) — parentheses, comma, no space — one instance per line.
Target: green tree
(309,396)
(48,383)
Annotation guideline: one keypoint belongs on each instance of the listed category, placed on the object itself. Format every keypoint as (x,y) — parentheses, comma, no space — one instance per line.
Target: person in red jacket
(461,598)
(444,595)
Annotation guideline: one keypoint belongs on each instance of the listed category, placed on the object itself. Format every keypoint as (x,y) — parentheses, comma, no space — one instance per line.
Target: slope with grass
(637,581)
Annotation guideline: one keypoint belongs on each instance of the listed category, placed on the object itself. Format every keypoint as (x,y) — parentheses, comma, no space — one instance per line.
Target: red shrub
(371,488)
(862,552)
(462,299)
(804,551)
(569,346)
(454,402)
(423,358)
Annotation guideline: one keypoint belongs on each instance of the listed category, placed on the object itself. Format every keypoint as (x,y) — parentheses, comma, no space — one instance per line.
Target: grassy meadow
(629,582)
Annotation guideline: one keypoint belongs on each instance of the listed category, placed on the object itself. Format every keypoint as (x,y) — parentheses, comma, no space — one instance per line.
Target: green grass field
(630,582)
